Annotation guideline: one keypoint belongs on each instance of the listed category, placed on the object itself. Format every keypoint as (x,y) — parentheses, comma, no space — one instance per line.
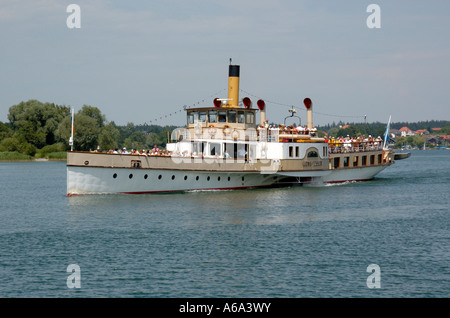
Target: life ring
(226,130)
(212,130)
(235,134)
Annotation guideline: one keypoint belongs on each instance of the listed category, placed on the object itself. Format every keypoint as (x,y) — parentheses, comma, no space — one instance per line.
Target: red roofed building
(405,131)
(421,132)
(445,137)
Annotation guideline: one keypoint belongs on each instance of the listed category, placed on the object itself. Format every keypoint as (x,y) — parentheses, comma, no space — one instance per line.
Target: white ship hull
(353,174)
(81,180)
(98,180)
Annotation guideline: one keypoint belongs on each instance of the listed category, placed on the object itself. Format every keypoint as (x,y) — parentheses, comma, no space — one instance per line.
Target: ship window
(212,116)
(241,117)
(346,161)
(355,161)
(242,178)
(130,176)
(231,116)
(160,176)
(250,117)
(146,176)
(214,149)
(196,178)
(291,151)
(115,175)
(185,177)
(240,151)
(229,178)
(337,162)
(192,117)
(364,160)
(135,163)
(313,154)
(198,147)
(372,159)
(297,151)
(218,178)
(202,116)
(173,177)
(208,178)
(324,151)
(222,116)
(380,159)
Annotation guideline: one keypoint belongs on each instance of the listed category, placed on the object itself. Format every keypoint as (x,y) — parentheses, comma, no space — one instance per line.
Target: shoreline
(31,160)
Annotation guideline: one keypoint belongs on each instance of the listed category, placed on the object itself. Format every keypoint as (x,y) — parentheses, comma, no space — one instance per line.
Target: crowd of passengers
(291,129)
(351,144)
(155,151)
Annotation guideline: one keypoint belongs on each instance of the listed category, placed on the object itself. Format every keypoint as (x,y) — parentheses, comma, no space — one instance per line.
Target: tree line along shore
(40,131)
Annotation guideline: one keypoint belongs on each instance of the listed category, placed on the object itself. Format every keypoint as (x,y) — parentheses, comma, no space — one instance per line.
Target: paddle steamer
(223,147)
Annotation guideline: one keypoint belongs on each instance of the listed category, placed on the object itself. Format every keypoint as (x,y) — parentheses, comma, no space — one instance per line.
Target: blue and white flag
(386,134)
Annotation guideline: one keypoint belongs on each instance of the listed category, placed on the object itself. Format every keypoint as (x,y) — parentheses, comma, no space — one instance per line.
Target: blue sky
(142,61)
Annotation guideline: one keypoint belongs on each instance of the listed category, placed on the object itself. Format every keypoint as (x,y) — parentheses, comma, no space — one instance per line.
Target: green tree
(94,113)
(36,121)
(87,128)
(17,143)
(109,137)
(5,131)
(415,141)
(136,140)
(445,130)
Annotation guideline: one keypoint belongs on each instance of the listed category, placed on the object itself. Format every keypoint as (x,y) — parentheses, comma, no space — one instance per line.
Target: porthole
(229,178)
(208,178)
(185,177)
(159,177)
(146,176)
(196,178)
(173,177)
(218,178)
(115,175)
(130,176)
(242,178)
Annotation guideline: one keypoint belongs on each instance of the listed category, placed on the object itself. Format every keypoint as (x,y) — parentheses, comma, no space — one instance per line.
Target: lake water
(281,243)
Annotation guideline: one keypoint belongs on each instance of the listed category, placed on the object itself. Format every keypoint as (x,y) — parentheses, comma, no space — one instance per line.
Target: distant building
(438,140)
(445,139)
(421,132)
(394,132)
(431,140)
(405,131)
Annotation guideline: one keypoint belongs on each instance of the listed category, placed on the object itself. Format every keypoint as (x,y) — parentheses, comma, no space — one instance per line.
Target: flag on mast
(386,134)
(72,117)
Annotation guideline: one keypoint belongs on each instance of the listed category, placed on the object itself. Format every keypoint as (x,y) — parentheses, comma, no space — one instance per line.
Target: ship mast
(71,136)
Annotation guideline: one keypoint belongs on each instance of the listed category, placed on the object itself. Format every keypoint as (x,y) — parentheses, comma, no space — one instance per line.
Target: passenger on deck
(155,150)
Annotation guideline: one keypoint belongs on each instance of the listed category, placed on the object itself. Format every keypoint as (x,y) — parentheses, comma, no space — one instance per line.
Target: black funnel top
(233,71)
